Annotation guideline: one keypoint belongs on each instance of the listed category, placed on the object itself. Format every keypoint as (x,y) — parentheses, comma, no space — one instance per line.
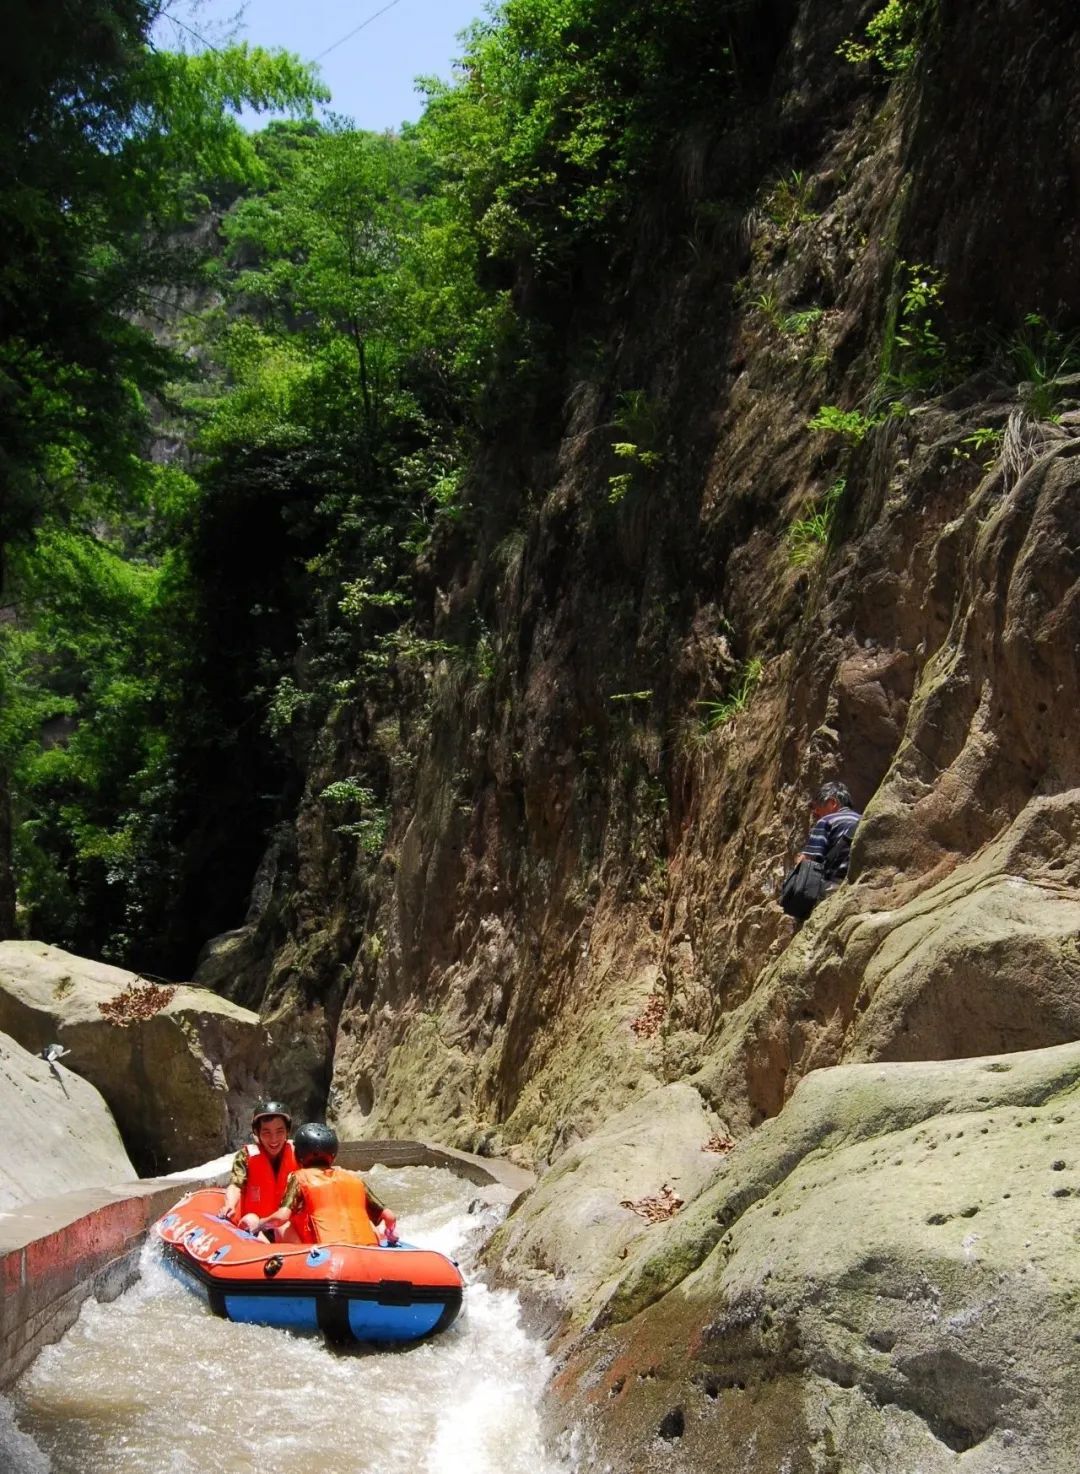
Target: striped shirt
(827,829)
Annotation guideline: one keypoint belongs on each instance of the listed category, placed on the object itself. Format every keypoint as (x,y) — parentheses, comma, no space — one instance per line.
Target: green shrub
(371,828)
(347,791)
(287,702)
(915,356)
(370,832)
(768,305)
(981,440)
(850,424)
(807,535)
(718,713)
(361,595)
(788,202)
(801,324)
(637,416)
(1041,355)
(892,38)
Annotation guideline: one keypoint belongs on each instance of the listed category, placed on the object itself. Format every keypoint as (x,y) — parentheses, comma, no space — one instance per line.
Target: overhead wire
(190,30)
(333,47)
(356,30)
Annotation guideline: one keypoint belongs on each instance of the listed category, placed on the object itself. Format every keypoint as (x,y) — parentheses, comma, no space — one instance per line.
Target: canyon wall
(577,899)
(791,494)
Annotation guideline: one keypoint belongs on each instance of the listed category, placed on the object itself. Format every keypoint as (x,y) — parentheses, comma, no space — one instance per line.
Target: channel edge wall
(56,1252)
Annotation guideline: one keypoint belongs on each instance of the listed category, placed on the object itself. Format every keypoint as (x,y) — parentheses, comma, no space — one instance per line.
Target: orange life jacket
(336,1203)
(265,1186)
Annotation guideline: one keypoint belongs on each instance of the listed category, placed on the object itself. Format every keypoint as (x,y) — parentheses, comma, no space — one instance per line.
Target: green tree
(564,107)
(101,136)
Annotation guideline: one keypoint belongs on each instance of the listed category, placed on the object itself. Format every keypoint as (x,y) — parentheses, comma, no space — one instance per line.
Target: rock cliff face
(576,907)
(572,850)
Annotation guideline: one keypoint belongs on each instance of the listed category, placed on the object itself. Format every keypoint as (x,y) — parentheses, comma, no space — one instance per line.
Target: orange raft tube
(348,1292)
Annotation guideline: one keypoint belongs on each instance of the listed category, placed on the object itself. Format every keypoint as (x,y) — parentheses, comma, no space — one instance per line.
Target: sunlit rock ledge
(885,1275)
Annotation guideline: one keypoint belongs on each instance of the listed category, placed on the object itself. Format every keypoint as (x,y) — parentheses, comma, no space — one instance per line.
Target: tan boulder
(568,1243)
(58,1133)
(180,1082)
(883,1276)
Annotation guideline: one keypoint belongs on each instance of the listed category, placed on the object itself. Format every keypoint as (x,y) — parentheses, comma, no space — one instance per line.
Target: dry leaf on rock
(656,1207)
(649,1020)
(137,1001)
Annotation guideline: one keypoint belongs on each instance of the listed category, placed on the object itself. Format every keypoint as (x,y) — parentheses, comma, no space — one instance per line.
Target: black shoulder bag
(803,888)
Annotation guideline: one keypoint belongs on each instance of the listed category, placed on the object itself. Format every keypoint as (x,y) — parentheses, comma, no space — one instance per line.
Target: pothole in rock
(672,1425)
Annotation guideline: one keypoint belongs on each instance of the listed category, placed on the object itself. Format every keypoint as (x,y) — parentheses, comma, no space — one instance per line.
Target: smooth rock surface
(180,1084)
(571,1237)
(986,959)
(886,1275)
(58,1132)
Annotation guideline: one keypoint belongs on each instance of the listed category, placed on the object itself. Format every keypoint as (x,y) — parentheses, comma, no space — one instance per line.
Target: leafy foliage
(892,37)
(850,424)
(636,416)
(809,534)
(370,306)
(982,440)
(1040,355)
(564,105)
(101,137)
(719,713)
(789,202)
(915,355)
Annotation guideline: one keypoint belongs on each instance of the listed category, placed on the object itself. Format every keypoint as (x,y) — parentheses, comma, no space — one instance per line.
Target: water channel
(153,1384)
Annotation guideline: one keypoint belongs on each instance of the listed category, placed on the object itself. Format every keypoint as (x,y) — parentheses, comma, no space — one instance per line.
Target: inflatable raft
(348,1292)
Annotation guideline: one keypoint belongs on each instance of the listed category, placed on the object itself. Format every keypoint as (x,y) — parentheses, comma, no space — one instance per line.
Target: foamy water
(154,1383)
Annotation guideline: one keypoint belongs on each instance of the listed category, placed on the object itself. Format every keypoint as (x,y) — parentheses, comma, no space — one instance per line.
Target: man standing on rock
(260,1172)
(829,841)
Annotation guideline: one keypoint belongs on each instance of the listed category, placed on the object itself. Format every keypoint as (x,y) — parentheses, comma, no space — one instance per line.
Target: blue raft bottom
(368,1321)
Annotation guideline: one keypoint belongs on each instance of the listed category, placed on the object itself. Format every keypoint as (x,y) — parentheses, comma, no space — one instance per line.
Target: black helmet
(315,1144)
(266,1110)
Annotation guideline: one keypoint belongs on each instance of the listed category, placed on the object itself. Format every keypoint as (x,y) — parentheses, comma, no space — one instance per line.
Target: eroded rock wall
(577,899)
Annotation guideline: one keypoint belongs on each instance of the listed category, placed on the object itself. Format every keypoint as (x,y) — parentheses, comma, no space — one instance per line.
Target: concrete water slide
(55,1252)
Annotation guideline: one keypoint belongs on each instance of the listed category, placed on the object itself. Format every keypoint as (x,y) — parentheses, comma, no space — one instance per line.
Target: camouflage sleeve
(294,1194)
(375,1204)
(239,1170)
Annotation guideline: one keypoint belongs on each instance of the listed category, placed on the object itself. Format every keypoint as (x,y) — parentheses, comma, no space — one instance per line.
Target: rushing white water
(153,1383)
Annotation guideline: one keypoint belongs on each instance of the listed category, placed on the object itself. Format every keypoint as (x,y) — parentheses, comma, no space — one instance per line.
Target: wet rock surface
(180,1083)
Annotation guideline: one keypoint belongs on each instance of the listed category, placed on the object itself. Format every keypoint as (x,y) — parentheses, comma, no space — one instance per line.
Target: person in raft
(260,1171)
(324,1204)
